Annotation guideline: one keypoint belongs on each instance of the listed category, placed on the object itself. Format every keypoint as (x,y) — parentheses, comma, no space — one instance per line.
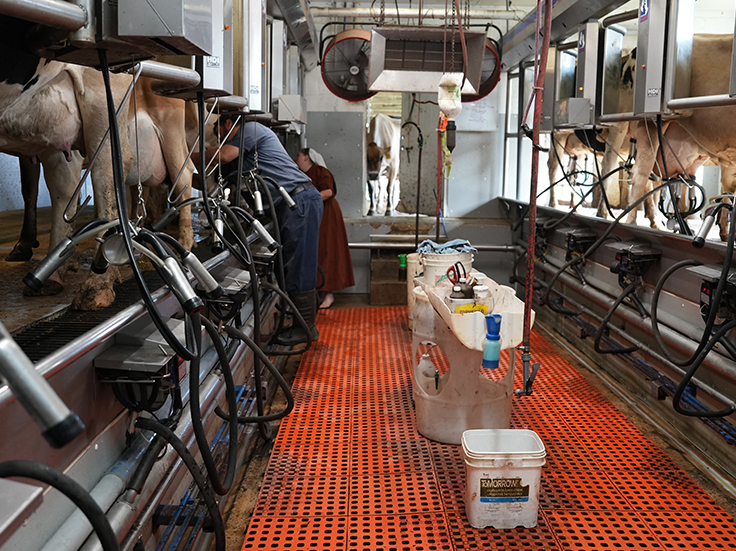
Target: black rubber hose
(691,372)
(240,335)
(599,334)
(618,219)
(720,288)
(280,272)
(150,456)
(72,490)
(199,479)
(298,318)
(202,169)
(122,204)
(545,298)
(173,243)
(285,301)
(263,429)
(220,487)
(684,228)
(232,404)
(654,313)
(92,224)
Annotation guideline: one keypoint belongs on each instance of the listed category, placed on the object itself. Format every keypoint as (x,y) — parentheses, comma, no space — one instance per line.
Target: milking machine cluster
(149,359)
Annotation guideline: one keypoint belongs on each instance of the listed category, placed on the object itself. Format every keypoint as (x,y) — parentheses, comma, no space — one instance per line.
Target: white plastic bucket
(413,269)
(436,265)
(503,468)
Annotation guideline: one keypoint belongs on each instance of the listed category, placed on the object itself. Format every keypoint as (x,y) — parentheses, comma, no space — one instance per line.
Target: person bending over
(299,228)
(334,252)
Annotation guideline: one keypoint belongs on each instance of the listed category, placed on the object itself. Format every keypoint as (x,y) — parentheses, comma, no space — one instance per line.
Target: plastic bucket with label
(503,468)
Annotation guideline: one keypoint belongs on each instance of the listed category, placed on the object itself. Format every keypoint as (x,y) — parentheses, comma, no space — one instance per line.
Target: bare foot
(327,302)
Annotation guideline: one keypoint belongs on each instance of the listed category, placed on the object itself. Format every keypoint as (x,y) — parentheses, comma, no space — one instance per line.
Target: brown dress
(334,253)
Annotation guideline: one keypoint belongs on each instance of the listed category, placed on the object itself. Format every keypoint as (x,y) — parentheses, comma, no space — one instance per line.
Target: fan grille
(345,65)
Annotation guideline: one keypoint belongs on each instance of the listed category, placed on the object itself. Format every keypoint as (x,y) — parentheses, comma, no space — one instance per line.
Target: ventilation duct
(413,59)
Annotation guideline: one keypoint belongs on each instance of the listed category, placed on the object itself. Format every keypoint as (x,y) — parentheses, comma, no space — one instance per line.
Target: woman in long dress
(334,253)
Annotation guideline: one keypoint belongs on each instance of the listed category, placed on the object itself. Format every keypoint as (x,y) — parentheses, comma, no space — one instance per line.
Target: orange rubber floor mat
(350,471)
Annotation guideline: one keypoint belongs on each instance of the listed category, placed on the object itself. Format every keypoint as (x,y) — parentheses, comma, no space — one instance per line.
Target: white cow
(47,108)
(383,157)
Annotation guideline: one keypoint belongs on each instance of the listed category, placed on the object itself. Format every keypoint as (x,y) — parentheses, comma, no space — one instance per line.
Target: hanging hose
(72,490)
(691,373)
(655,322)
(420,144)
(122,204)
(240,335)
(220,487)
(630,288)
(712,314)
(199,479)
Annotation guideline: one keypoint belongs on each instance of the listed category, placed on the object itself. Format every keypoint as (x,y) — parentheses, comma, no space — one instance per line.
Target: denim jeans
(300,239)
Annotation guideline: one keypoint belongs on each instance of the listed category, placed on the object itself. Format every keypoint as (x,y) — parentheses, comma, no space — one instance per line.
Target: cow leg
(554,169)
(391,189)
(373,195)
(97,290)
(643,167)
(29,175)
(61,179)
(614,144)
(728,185)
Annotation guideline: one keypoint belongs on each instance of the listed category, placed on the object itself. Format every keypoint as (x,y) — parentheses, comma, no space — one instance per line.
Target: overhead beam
(519,42)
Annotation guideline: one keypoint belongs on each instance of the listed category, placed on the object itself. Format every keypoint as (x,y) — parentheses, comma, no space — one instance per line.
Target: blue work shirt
(273,160)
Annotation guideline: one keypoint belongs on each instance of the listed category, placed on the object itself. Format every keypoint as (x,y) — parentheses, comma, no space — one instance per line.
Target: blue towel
(451,247)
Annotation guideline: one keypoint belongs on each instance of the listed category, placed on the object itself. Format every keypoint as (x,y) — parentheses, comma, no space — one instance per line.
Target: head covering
(316,158)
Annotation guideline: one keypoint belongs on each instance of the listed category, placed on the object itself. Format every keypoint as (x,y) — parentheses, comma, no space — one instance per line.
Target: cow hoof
(371,213)
(21,252)
(390,212)
(97,292)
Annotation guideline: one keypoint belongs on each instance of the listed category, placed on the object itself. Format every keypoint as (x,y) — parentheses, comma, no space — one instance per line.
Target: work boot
(306,304)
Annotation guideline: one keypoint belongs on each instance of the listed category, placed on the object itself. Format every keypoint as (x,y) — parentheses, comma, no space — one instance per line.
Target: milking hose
(220,487)
(122,204)
(199,479)
(240,335)
(263,429)
(716,301)
(72,490)
(238,211)
(630,288)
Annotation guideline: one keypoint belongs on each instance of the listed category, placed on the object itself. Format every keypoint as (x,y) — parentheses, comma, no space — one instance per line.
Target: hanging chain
(467,15)
(140,208)
(382,17)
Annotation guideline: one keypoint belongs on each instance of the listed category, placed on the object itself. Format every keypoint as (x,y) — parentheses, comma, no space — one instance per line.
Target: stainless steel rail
(54,13)
(677,340)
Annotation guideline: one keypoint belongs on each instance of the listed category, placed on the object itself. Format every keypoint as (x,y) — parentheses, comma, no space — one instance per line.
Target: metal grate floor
(350,471)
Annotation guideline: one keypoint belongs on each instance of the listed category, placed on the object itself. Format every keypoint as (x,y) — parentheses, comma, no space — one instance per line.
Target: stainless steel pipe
(53,13)
(719,100)
(186,78)
(413,13)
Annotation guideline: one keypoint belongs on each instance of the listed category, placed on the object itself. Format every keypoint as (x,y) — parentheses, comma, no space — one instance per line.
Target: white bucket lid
(497,443)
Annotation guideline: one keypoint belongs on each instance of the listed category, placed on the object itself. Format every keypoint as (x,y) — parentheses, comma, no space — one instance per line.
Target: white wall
(10,192)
